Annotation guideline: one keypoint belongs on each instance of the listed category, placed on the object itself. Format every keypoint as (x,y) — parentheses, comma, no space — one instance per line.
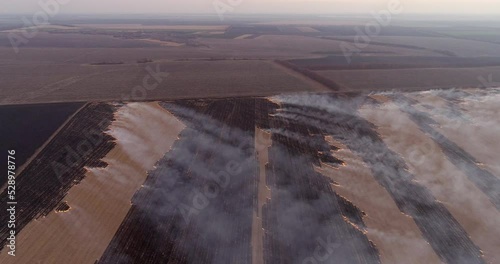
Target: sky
(256,6)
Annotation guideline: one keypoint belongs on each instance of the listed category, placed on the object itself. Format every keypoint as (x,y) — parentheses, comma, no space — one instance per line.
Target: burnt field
(295,178)
(205,186)
(45,181)
(207,196)
(26,127)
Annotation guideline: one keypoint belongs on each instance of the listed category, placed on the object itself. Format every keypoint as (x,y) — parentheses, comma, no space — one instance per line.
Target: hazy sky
(255,6)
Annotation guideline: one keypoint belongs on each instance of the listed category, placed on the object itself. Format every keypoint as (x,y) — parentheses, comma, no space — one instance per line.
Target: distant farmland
(182,80)
(460,47)
(393,62)
(82,59)
(413,79)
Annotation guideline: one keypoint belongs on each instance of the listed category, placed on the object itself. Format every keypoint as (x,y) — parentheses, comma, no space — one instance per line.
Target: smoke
(198,199)
(423,153)
(141,130)
(203,192)
(472,121)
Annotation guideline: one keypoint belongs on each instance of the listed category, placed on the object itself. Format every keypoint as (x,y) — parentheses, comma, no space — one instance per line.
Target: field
(393,62)
(252,140)
(291,45)
(413,79)
(72,59)
(195,181)
(460,47)
(34,125)
(157,27)
(109,201)
(176,79)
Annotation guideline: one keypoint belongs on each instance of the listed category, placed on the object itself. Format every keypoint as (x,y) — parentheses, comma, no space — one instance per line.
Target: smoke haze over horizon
(257,6)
